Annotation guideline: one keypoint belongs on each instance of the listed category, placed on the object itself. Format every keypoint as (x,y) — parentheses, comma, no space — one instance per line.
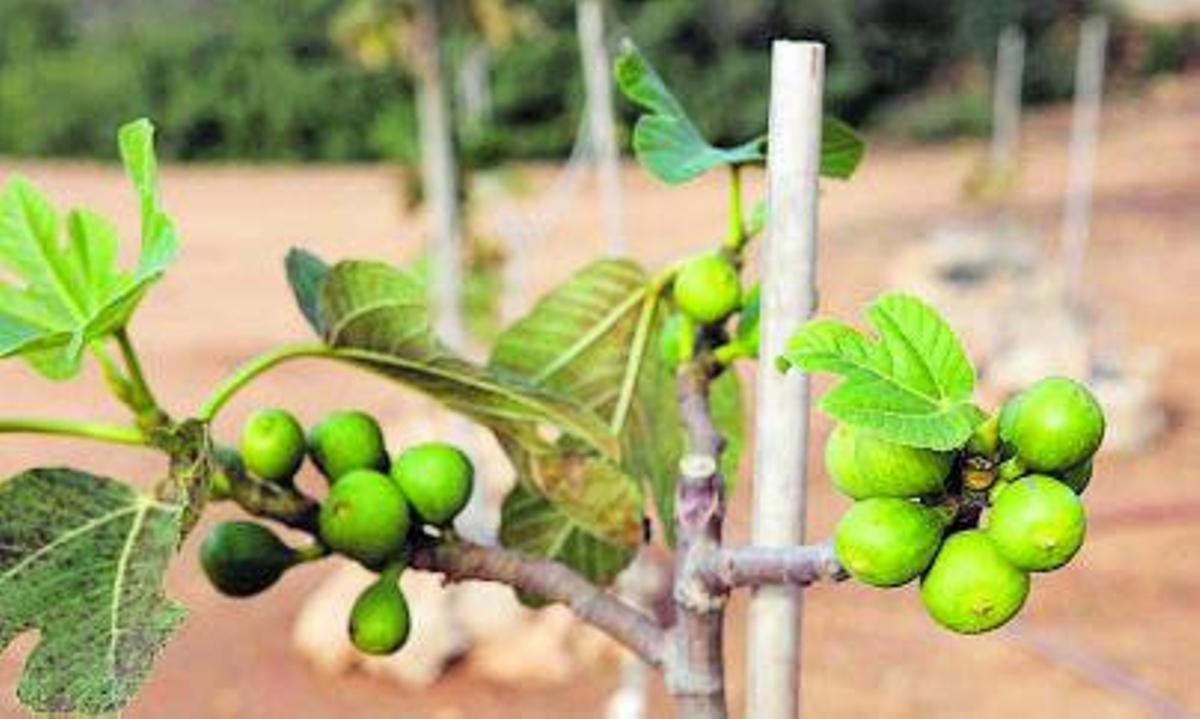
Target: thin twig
(460,560)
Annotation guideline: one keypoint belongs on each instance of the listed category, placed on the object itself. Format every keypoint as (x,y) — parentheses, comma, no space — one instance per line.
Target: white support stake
(1081,168)
(1006,98)
(597,78)
(781,423)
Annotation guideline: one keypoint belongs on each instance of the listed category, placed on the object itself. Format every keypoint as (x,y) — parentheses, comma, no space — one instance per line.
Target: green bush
(262,80)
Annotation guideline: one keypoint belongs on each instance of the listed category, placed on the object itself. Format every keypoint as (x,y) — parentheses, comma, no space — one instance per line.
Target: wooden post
(1006,99)
(1081,169)
(439,175)
(597,78)
(781,422)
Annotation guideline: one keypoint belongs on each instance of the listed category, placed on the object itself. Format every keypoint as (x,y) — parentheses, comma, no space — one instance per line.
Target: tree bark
(459,560)
(696,665)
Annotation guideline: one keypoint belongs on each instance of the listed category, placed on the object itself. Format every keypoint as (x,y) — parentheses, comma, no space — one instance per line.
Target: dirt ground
(1115,635)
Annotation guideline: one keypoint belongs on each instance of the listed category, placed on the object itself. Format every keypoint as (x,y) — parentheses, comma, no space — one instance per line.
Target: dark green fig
(1078,477)
(243,558)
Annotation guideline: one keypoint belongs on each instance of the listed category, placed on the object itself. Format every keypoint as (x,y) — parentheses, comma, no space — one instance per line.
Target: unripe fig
(1054,425)
(243,558)
(677,341)
(226,464)
(1007,416)
(862,465)
(436,479)
(365,517)
(379,620)
(748,333)
(1037,523)
(887,542)
(1078,477)
(971,587)
(707,288)
(272,445)
(345,441)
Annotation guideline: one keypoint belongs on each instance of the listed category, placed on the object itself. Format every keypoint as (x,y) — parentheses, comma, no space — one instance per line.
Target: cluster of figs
(375,508)
(971,524)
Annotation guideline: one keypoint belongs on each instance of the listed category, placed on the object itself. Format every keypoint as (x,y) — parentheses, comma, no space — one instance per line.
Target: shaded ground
(1125,610)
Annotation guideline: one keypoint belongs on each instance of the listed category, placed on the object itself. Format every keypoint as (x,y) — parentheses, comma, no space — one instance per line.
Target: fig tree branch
(695,675)
(115,434)
(800,565)
(460,560)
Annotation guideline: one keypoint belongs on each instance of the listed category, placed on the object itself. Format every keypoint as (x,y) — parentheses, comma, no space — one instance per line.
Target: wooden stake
(1081,170)
(781,425)
(597,78)
(1006,98)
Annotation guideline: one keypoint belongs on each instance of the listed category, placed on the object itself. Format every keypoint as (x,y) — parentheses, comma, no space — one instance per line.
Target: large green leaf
(71,291)
(82,560)
(306,273)
(912,385)
(379,315)
(534,524)
(592,340)
(668,143)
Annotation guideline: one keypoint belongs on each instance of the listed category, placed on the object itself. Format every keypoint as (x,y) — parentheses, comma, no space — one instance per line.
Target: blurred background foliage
(263,80)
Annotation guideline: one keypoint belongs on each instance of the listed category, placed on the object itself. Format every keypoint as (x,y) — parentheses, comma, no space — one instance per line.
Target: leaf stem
(141,399)
(736,236)
(117,383)
(252,369)
(115,434)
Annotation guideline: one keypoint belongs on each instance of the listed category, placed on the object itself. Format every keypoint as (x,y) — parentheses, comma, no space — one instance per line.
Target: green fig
(707,288)
(365,517)
(1037,523)
(380,620)
(971,588)
(436,479)
(272,445)
(345,441)
(677,340)
(862,465)
(1054,425)
(887,542)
